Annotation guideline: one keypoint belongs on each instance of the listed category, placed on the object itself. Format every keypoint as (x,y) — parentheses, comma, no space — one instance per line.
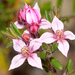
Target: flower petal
(63,47)
(18,45)
(45,24)
(34,16)
(35,44)
(19,26)
(26,31)
(37,10)
(28,16)
(69,35)
(47,37)
(17,61)
(57,24)
(35,61)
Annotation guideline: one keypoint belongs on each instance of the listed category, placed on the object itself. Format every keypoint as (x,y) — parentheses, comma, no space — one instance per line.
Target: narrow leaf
(15,29)
(7,34)
(48,16)
(56,63)
(41,55)
(69,65)
(13,33)
(9,44)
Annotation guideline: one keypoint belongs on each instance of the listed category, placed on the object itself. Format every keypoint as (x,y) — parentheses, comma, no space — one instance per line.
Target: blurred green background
(8,14)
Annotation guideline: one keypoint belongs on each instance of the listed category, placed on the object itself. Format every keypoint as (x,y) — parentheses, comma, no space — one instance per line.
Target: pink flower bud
(34,28)
(25,37)
(20,14)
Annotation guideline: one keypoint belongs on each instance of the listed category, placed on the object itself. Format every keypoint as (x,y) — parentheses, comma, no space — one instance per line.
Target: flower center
(25,52)
(59,35)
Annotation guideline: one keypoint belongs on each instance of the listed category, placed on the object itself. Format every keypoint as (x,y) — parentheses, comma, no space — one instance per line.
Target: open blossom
(25,53)
(59,36)
(32,18)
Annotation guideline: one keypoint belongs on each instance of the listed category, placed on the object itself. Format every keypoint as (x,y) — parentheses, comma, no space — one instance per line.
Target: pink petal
(63,47)
(24,11)
(19,26)
(57,24)
(34,16)
(35,44)
(17,61)
(18,45)
(45,24)
(47,37)
(35,61)
(69,35)
(26,31)
(37,10)
(28,16)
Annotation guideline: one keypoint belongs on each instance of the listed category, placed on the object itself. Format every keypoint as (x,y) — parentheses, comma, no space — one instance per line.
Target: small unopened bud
(34,28)
(25,37)
(20,14)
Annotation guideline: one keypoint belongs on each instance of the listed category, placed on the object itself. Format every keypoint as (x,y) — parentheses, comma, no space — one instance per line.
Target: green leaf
(73,6)
(59,2)
(7,34)
(54,46)
(72,72)
(13,33)
(16,29)
(48,16)
(9,44)
(45,46)
(56,63)
(41,55)
(69,65)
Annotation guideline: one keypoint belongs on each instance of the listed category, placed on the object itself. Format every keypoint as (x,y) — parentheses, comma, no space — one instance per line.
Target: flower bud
(25,37)
(34,28)
(20,14)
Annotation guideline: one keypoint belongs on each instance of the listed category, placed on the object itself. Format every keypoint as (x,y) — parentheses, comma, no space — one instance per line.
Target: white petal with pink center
(45,24)
(57,24)
(37,10)
(18,45)
(34,16)
(35,61)
(28,16)
(25,53)
(17,61)
(63,47)
(35,44)
(47,37)
(69,35)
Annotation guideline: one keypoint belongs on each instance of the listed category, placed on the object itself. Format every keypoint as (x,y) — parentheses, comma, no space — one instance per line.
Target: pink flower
(32,18)
(59,35)
(25,53)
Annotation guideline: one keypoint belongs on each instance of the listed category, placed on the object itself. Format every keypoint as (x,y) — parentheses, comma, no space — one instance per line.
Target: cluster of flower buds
(31,40)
